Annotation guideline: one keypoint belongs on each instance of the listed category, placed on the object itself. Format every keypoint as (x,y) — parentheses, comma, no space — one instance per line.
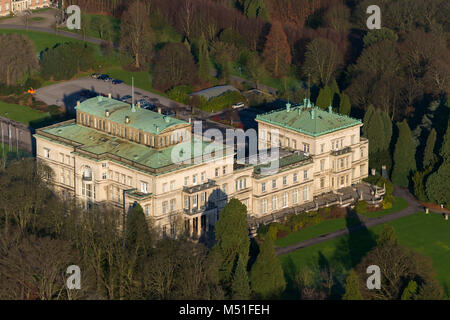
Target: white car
(238,105)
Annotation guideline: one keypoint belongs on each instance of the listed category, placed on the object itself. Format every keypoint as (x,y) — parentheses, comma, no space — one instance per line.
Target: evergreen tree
(429,158)
(387,124)
(410,291)
(352,287)
(437,183)
(139,238)
(240,289)
(367,117)
(232,238)
(277,52)
(404,156)
(325,98)
(344,106)
(266,277)
(204,71)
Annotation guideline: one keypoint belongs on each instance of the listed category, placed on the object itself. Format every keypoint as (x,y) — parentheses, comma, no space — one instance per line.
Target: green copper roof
(311,121)
(98,143)
(141,119)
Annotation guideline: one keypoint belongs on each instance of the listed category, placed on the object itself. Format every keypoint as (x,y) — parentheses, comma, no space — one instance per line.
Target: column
(199,226)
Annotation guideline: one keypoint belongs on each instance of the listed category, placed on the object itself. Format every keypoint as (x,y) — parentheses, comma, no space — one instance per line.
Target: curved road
(413,207)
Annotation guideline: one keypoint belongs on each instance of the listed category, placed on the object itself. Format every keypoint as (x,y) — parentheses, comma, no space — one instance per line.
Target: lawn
(428,234)
(399,204)
(21,114)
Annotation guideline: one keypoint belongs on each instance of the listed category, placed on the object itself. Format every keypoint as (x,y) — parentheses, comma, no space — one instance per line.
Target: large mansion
(8,7)
(117,154)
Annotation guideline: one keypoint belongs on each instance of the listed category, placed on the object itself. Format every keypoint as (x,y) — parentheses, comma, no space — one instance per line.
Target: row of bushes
(295,222)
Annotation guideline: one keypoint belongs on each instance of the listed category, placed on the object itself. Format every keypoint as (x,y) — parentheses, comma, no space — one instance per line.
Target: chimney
(107,113)
(109,95)
(159,110)
(127,119)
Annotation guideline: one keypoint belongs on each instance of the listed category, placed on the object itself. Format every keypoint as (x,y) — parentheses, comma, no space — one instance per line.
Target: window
(130,181)
(295,177)
(322,183)
(172,185)
(194,201)
(186,181)
(203,175)
(104,165)
(264,205)
(224,188)
(305,174)
(217,172)
(274,202)
(285,200)
(63,178)
(144,187)
(322,164)
(164,207)
(263,187)
(294,144)
(285,180)
(47,153)
(104,175)
(186,202)
(224,170)
(295,196)
(322,148)
(172,205)
(274,183)
(164,187)
(362,153)
(342,180)
(124,179)
(306,147)
(305,193)
(342,162)
(332,182)
(332,145)
(203,197)
(194,179)
(62,157)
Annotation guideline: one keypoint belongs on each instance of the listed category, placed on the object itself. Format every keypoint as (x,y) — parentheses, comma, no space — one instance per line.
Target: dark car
(104,77)
(125,98)
(116,81)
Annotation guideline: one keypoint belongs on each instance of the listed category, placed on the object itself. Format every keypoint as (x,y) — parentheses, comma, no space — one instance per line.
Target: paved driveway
(67,93)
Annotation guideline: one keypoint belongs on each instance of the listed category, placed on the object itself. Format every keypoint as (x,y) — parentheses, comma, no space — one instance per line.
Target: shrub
(180,93)
(361,207)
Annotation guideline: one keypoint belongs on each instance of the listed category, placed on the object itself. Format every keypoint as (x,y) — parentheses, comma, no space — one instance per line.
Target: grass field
(334,225)
(428,234)
(21,114)
(399,204)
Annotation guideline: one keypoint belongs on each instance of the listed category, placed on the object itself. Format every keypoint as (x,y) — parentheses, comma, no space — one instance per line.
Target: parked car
(104,77)
(116,81)
(126,98)
(238,105)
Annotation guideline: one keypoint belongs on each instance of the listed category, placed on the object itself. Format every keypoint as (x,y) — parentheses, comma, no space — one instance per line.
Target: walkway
(413,207)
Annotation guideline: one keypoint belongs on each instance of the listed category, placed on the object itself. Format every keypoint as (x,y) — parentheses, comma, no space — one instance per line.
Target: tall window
(164,187)
(295,196)
(285,200)
(305,174)
(306,147)
(194,179)
(164,207)
(322,164)
(274,183)
(144,187)
(285,180)
(305,193)
(263,187)
(274,202)
(295,177)
(172,205)
(47,153)
(322,183)
(264,205)
(186,181)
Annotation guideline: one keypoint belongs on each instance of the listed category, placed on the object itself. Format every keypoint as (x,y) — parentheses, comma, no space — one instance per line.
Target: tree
(103,25)
(204,69)
(174,65)
(277,52)
(325,98)
(232,237)
(410,291)
(337,17)
(404,156)
(240,289)
(322,60)
(138,235)
(352,287)
(378,35)
(136,34)
(344,106)
(437,182)
(266,276)
(17,58)
(429,158)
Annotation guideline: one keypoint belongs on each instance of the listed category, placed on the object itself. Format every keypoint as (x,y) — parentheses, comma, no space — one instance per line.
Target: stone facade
(108,160)
(13,6)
